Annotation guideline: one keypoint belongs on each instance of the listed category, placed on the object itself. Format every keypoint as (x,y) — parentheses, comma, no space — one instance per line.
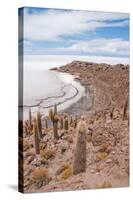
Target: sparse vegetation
(47,154)
(26,145)
(27,128)
(105,184)
(40,177)
(67,172)
(63,167)
(101,156)
(104,147)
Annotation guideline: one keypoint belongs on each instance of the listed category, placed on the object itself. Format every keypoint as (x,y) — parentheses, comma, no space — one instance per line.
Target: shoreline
(75,109)
(95,85)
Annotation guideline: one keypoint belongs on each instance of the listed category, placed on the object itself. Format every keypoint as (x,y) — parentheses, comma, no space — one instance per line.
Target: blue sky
(73,32)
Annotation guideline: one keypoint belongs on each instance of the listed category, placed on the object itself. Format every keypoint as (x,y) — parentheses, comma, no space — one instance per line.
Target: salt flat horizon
(43,62)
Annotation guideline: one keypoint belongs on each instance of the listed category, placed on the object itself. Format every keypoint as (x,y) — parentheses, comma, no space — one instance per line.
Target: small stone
(108,160)
(113,152)
(92,171)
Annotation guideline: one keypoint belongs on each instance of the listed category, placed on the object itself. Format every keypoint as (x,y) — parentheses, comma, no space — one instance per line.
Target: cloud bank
(60,26)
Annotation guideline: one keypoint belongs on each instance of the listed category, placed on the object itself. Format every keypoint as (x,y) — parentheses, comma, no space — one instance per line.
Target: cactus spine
(79,162)
(36,138)
(54,118)
(39,124)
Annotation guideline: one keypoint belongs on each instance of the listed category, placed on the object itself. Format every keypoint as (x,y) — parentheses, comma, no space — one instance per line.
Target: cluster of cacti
(54,118)
(36,136)
(79,162)
(65,121)
(36,128)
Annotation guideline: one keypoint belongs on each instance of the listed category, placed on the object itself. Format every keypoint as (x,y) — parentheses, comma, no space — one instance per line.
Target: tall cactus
(39,124)
(30,119)
(71,120)
(66,126)
(75,121)
(61,123)
(36,138)
(79,162)
(54,118)
(125,110)
(46,123)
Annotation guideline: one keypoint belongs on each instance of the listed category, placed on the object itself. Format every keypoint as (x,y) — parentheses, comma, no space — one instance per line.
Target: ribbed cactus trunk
(71,120)
(125,110)
(55,129)
(75,122)
(54,118)
(66,127)
(55,123)
(79,163)
(36,138)
(61,123)
(39,124)
(46,124)
(30,118)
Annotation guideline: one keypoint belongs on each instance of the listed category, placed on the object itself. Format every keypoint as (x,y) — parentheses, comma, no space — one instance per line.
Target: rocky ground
(107,149)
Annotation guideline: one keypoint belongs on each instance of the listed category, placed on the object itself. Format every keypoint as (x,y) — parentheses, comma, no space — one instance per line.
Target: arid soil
(107,139)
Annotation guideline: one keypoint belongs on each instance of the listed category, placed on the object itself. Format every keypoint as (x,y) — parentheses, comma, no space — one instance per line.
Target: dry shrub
(104,147)
(98,168)
(47,154)
(26,145)
(27,128)
(101,156)
(67,173)
(30,152)
(40,177)
(105,184)
(62,168)
(43,145)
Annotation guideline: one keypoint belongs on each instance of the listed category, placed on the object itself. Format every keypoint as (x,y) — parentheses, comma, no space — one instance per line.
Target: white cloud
(54,24)
(101,46)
